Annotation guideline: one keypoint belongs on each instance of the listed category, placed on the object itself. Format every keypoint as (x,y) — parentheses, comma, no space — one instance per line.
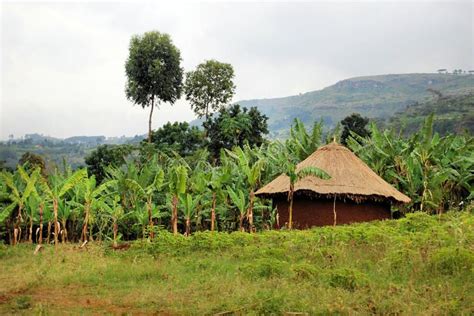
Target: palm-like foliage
(56,188)
(178,176)
(301,143)
(188,203)
(239,200)
(252,172)
(296,175)
(148,181)
(435,172)
(21,187)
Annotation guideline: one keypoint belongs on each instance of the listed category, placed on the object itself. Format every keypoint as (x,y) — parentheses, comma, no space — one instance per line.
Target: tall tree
(153,71)
(354,123)
(209,87)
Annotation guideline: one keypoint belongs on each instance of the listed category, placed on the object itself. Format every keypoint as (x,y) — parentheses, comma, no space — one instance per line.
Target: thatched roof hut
(352,182)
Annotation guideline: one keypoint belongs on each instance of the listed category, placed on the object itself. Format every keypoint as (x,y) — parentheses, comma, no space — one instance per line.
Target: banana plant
(149,181)
(295,175)
(252,172)
(219,177)
(87,195)
(178,176)
(20,190)
(64,213)
(301,143)
(239,200)
(111,206)
(189,209)
(33,204)
(56,188)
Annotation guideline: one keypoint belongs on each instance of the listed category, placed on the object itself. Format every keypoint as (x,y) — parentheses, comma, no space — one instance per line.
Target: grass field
(417,265)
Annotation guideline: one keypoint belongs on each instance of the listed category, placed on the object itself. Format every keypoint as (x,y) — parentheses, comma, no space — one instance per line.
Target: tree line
(162,190)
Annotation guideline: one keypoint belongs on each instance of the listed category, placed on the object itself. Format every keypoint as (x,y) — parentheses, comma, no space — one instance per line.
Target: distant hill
(453,114)
(54,150)
(372,96)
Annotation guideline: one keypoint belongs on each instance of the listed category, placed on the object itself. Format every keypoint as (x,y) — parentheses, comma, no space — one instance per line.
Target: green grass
(418,265)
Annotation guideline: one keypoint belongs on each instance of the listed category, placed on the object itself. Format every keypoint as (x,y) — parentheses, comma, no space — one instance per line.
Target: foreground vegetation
(420,264)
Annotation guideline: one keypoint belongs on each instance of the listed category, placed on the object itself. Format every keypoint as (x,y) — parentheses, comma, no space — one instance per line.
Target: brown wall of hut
(319,212)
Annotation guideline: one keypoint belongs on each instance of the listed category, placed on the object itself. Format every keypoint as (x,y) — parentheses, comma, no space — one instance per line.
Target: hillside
(372,96)
(54,150)
(453,114)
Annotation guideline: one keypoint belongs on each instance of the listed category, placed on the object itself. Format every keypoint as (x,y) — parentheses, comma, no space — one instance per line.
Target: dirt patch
(72,298)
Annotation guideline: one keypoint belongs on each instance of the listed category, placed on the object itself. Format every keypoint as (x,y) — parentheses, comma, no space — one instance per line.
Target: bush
(305,271)
(346,278)
(265,268)
(452,260)
(417,222)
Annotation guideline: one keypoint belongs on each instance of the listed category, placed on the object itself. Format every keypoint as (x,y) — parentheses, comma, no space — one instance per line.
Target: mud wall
(319,212)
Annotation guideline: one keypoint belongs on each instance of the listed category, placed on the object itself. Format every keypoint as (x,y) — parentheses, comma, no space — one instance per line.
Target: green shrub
(265,268)
(346,278)
(417,222)
(23,302)
(452,260)
(305,271)
(401,260)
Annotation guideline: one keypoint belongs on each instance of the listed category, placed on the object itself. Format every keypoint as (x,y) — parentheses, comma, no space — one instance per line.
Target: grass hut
(354,193)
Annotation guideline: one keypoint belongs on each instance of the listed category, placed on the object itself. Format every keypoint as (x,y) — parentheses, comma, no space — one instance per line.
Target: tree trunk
(30,238)
(15,234)
(250,211)
(334,210)
(56,232)
(64,232)
(188,226)
(91,238)
(150,218)
(174,217)
(86,220)
(149,118)
(49,233)
(40,239)
(241,222)
(213,211)
(115,232)
(290,212)
(16,227)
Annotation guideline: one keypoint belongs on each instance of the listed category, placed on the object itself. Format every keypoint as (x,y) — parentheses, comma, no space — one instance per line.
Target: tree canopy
(354,123)
(106,155)
(209,87)
(153,70)
(235,126)
(178,137)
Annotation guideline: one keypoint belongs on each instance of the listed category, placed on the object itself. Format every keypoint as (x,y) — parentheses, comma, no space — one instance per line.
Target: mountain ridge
(375,96)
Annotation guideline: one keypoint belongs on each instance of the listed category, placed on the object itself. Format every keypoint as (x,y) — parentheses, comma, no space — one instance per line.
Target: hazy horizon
(62,64)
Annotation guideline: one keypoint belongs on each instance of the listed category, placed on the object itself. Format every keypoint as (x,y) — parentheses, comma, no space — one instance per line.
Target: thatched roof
(350,178)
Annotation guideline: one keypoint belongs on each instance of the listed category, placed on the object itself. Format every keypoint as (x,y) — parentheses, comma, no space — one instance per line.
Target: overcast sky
(62,64)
